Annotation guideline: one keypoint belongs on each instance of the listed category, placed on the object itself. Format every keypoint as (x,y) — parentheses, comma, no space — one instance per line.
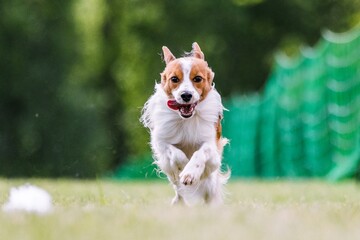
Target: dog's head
(186,80)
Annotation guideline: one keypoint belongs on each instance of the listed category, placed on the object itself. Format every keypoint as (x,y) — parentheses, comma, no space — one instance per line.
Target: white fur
(186,85)
(186,149)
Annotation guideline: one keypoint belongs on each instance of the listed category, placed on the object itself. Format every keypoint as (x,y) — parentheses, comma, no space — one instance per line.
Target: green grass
(141,210)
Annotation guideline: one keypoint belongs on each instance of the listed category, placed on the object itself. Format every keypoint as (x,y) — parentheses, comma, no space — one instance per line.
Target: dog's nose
(186,96)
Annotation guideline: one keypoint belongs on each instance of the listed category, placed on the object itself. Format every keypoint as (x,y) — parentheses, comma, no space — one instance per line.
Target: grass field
(141,210)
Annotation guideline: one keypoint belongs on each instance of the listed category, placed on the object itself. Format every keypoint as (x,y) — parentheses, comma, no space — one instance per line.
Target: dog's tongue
(173,104)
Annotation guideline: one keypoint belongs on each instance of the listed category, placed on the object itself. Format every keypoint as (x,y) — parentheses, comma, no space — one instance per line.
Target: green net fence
(305,123)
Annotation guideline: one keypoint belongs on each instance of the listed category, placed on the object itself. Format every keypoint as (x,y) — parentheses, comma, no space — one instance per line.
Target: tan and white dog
(184,116)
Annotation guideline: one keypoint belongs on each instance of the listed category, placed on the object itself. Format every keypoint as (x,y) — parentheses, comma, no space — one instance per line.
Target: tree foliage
(75,73)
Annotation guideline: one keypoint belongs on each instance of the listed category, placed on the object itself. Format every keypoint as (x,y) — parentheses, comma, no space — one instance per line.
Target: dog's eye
(197,79)
(174,79)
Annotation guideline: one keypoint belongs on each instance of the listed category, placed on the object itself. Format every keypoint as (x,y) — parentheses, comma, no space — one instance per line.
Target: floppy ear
(196,51)
(168,56)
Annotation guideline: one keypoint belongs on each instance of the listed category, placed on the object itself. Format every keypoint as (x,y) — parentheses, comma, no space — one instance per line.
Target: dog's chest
(189,133)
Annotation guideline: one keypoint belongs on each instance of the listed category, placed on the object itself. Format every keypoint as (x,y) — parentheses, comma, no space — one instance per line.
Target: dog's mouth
(186,110)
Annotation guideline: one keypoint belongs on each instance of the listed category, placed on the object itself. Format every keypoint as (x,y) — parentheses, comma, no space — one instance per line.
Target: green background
(74,75)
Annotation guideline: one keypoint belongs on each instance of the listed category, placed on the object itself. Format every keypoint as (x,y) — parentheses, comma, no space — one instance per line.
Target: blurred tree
(74,74)
(96,24)
(238,38)
(47,127)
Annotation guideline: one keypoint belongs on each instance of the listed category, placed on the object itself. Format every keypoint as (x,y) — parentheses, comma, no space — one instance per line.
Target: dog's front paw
(191,174)
(188,179)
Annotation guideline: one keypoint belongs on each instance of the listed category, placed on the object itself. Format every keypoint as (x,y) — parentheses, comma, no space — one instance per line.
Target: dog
(184,118)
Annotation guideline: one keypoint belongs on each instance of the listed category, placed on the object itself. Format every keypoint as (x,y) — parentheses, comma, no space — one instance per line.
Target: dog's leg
(170,160)
(203,162)
(177,159)
(214,194)
(178,199)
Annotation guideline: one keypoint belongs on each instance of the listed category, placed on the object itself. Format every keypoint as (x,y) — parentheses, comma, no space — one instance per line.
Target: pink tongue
(173,104)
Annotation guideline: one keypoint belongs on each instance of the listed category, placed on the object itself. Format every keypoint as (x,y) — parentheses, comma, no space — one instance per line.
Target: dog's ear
(196,51)
(211,75)
(168,56)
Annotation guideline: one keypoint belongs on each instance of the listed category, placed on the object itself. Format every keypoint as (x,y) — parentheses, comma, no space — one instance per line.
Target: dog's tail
(223,174)
(221,144)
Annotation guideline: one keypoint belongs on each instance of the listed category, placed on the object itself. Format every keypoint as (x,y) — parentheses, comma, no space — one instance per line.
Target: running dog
(184,117)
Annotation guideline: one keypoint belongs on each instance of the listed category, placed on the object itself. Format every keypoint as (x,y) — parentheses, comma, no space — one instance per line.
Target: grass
(141,210)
